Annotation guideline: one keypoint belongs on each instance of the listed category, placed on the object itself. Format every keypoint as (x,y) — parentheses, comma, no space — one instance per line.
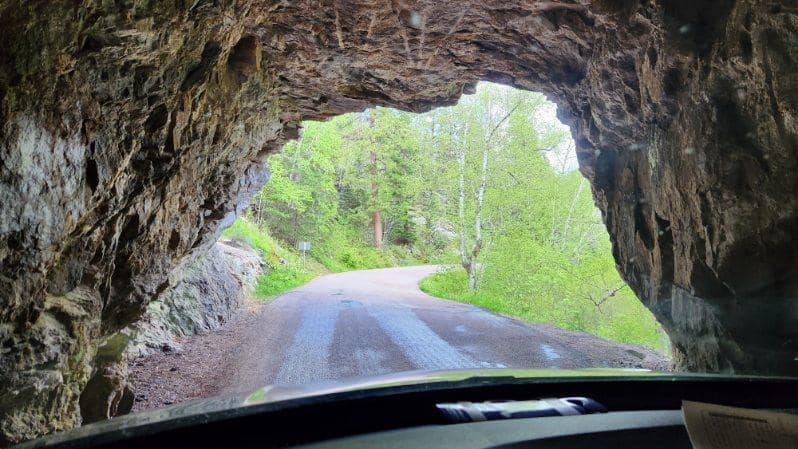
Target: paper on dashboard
(720,427)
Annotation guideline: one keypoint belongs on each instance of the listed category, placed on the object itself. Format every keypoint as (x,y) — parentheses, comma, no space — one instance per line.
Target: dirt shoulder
(198,370)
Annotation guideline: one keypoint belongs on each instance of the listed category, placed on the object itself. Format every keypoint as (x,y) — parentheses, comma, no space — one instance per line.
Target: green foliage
(285,268)
(321,190)
(342,248)
(453,284)
(624,319)
(245,230)
(543,251)
(281,278)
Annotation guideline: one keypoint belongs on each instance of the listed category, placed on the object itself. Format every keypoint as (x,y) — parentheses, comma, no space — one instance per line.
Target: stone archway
(133,132)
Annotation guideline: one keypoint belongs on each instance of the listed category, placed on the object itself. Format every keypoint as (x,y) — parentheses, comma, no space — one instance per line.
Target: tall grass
(339,250)
(624,319)
(286,270)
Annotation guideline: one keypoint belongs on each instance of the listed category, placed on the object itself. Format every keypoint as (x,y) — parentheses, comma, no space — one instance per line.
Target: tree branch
(496,127)
(604,298)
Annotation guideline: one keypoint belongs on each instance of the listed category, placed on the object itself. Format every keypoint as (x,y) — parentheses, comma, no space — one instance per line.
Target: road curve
(371,322)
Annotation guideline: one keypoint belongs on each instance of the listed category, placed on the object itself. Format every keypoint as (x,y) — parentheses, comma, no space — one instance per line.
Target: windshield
(205,200)
(387,241)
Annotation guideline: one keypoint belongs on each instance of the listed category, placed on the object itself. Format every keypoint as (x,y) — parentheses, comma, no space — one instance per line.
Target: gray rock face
(108,392)
(41,386)
(132,132)
(205,296)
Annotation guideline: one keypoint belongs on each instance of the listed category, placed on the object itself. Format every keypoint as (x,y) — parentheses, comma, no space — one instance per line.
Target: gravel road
(365,323)
(372,322)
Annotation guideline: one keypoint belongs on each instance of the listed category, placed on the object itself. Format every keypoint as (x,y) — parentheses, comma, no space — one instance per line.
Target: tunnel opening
(373,223)
(380,188)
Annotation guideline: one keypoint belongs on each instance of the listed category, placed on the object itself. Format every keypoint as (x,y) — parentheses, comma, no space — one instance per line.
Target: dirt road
(371,322)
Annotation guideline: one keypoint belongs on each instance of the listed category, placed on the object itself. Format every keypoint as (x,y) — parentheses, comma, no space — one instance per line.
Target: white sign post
(304,247)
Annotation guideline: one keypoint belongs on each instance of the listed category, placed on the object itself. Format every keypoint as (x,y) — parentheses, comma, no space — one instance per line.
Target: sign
(303,246)
(719,427)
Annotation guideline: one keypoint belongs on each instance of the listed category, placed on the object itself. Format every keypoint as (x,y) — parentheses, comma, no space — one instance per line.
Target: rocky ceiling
(133,131)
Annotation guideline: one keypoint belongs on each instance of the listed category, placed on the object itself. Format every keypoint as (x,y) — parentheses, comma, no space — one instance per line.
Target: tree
(486,133)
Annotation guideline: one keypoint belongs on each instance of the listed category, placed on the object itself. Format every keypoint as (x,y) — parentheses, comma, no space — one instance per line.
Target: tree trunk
(472,270)
(469,260)
(377,220)
(377,229)
(377,216)
(566,227)
(461,211)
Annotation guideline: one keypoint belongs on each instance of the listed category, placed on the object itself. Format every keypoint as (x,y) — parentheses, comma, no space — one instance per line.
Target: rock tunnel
(132,132)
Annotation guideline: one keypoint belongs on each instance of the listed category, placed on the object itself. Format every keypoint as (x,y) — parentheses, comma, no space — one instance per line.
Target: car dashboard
(641,411)
(644,429)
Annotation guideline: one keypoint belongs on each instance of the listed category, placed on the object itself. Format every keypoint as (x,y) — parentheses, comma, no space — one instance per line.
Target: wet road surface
(372,322)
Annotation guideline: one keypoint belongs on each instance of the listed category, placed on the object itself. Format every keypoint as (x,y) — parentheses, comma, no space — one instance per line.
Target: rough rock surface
(132,132)
(205,296)
(108,392)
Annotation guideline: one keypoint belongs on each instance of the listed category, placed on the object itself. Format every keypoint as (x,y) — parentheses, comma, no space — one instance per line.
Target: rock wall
(208,293)
(132,132)
(205,295)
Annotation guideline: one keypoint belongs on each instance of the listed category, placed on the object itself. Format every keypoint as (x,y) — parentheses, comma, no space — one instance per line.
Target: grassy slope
(626,325)
(286,270)
(340,252)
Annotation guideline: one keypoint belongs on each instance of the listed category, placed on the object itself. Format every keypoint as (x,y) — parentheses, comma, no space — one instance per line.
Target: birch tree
(481,135)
